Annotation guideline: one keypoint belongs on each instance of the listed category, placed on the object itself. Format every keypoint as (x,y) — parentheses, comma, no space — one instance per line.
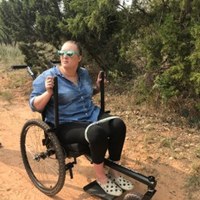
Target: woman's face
(69,56)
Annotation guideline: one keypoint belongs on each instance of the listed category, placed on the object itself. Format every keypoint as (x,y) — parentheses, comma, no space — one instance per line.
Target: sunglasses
(69,53)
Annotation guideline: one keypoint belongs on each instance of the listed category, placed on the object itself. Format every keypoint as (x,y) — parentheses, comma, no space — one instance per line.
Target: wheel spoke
(44,164)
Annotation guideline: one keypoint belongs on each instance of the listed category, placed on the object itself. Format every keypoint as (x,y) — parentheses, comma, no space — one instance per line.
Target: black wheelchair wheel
(43,157)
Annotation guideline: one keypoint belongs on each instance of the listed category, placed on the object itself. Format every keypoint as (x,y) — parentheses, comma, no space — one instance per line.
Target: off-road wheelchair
(46,161)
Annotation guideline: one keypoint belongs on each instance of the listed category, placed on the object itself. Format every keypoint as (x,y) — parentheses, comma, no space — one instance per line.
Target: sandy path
(14,181)
(15,184)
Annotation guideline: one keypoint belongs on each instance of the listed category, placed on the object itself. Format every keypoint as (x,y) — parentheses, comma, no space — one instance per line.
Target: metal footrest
(94,189)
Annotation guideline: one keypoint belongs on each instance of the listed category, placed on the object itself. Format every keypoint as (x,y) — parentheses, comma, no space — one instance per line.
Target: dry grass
(9,55)
(12,82)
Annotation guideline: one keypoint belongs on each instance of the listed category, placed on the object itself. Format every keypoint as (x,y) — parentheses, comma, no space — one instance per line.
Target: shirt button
(86,114)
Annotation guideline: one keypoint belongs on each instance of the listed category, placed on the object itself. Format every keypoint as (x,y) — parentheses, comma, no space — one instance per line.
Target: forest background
(150,52)
(151,48)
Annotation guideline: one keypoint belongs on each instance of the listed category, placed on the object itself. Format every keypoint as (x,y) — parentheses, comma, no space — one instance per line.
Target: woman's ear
(80,58)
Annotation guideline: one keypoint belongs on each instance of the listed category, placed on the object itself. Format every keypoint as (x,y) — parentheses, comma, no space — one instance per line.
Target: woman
(80,120)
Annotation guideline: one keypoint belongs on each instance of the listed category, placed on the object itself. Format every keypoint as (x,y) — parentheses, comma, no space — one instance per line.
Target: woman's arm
(41,101)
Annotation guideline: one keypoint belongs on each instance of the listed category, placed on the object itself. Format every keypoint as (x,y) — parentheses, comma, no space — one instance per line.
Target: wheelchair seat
(76,149)
(71,150)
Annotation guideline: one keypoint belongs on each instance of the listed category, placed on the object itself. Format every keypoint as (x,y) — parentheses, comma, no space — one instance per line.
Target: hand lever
(102,91)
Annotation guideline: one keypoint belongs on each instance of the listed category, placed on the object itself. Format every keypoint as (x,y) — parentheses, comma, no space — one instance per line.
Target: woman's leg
(73,132)
(98,143)
(116,131)
(100,173)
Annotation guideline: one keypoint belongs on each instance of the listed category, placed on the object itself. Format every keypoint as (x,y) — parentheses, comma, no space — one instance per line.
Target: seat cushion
(76,149)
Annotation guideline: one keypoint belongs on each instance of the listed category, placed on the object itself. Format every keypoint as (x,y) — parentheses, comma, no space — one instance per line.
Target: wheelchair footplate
(94,189)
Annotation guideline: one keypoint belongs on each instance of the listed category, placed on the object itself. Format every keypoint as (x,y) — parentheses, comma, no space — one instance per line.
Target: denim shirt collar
(58,72)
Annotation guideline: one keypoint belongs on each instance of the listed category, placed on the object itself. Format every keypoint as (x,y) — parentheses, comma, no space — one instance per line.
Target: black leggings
(108,135)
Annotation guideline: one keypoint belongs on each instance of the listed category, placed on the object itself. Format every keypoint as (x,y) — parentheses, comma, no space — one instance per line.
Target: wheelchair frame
(54,148)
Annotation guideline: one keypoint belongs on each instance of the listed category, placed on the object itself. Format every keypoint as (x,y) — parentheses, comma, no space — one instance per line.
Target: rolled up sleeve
(38,89)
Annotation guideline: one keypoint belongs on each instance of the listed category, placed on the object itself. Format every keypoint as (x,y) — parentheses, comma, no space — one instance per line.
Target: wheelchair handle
(55,95)
(102,91)
(15,67)
(30,72)
(19,66)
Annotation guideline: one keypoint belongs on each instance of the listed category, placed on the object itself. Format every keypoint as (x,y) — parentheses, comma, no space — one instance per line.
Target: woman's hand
(99,79)
(49,84)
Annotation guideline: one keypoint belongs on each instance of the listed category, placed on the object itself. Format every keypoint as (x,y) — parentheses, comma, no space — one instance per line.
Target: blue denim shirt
(75,101)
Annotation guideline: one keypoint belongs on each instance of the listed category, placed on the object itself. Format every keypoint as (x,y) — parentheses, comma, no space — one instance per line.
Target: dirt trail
(14,181)
(15,184)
